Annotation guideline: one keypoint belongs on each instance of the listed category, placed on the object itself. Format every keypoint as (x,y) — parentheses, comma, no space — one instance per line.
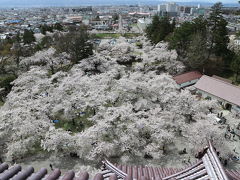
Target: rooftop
(222,79)
(207,167)
(189,76)
(219,88)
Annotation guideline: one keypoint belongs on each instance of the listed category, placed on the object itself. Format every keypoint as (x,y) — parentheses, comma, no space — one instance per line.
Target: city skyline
(36,3)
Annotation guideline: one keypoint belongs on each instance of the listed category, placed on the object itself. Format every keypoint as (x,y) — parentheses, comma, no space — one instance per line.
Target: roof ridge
(187,73)
(230,84)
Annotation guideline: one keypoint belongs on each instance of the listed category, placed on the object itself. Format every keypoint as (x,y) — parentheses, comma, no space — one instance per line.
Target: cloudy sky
(92,2)
(209,1)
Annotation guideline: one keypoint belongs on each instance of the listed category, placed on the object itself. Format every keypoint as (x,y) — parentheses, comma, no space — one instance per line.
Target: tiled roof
(138,172)
(16,173)
(218,88)
(234,175)
(207,168)
(189,76)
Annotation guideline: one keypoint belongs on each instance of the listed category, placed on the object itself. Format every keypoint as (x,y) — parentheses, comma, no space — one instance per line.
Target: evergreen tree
(235,66)
(49,28)
(43,29)
(165,28)
(218,31)
(76,44)
(197,52)
(28,36)
(173,25)
(159,29)
(200,26)
(80,47)
(115,17)
(58,27)
(18,38)
(152,30)
(17,52)
(181,38)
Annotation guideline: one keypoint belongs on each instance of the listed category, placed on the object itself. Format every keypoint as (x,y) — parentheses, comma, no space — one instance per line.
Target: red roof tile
(209,167)
(189,76)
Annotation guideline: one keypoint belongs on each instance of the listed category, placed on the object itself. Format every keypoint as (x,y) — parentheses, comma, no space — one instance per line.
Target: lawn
(106,35)
(134,25)
(77,124)
(1,103)
(131,35)
(114,35)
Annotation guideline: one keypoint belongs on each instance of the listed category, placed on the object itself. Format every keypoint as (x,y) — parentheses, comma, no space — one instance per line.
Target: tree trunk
(164,149)
(236,76)
(52,69)
(73,122)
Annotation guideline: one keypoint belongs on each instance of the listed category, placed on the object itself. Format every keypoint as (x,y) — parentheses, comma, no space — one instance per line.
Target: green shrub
(5,81)
(77,124)
(139,45)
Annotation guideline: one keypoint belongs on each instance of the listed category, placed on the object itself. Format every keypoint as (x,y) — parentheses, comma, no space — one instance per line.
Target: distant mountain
(45,3)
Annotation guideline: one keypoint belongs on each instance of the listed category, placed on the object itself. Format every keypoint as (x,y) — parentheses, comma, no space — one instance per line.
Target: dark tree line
(76,43)
(159,29)
(201,44)
(50,28)
(28,36)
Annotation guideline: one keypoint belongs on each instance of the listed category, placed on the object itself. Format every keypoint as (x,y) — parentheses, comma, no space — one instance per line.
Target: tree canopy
(203,43)
(28,37)
(75,43)
(159,29)
(218,31)
(235,66)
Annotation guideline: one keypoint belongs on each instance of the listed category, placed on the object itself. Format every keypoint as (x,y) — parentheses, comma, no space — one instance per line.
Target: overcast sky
(209,1)
(92,2)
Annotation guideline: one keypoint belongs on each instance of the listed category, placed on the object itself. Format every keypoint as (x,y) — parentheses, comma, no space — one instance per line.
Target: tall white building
(193,11)
(171,7)
(162,7)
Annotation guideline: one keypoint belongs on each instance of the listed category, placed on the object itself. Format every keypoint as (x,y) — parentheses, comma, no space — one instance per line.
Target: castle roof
(207,167)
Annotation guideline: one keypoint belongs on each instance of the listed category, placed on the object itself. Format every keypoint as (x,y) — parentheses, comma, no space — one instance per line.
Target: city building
(75,19)
(193,10)
(187,10)
(161,7)
(171,9)
(3,36)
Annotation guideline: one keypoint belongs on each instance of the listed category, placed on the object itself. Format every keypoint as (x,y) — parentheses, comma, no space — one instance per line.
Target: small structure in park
(226,93)
(208,167)
(187,79)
